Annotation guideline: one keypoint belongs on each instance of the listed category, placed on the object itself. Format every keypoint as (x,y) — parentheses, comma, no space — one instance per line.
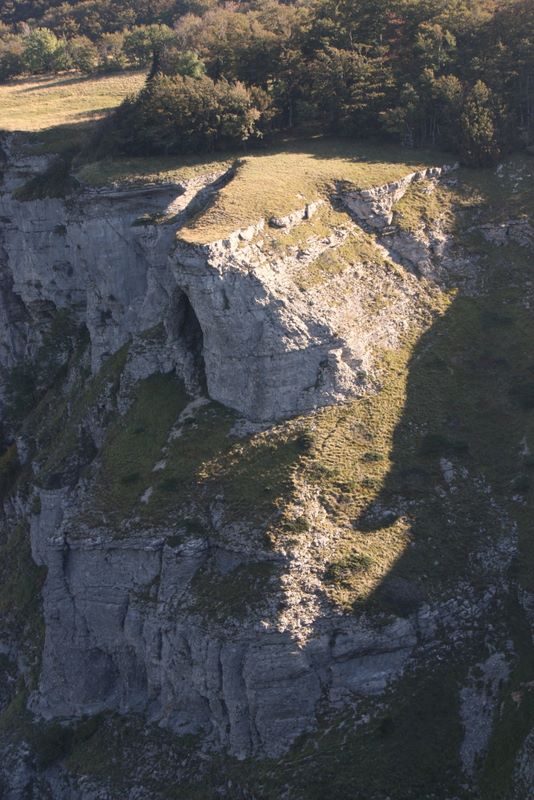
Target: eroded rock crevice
(183,327)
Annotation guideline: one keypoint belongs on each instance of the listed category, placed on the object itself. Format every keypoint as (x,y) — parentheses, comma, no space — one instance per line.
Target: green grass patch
(135,442)
(21,581)
(163,169)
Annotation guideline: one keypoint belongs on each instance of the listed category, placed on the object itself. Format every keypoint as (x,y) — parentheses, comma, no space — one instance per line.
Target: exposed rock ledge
(374,206)
(269,351)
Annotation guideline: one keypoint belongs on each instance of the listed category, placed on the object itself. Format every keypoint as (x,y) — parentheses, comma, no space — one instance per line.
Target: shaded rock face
(183,325)
(119,636)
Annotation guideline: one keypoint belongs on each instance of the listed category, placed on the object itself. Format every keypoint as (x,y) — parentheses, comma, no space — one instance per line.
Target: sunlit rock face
(115,260)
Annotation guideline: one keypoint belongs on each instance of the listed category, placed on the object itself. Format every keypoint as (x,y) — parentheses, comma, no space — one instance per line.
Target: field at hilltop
(40,103)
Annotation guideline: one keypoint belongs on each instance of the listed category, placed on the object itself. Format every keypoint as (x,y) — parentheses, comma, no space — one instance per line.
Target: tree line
(457,74)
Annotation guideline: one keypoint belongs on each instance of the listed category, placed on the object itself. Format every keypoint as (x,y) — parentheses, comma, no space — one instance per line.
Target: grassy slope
(41,103)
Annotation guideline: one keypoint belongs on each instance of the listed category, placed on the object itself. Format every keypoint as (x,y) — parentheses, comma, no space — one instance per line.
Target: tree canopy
(458,74)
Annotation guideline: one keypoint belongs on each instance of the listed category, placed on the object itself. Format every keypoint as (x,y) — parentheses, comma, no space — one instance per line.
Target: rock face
(111,645)
(375,206)
(268,352)
(125,630)
(99,254)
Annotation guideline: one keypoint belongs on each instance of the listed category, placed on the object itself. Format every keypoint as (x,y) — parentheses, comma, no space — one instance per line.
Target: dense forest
(458,74)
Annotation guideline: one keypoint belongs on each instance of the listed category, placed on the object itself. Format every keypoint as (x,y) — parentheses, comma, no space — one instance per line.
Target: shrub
(110,51)
(372,457)
(130,478)
(479,126)
(305,442)
(435,444)
(144,44)
(11,57)
(298,525)
(344,570)
(400,596)
(55,181)
(83,54)
(523,394)
(182,62)
(185,115)
(42,49)
(9,465)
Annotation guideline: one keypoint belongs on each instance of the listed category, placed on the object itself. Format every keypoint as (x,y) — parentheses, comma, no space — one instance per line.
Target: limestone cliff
(189,562)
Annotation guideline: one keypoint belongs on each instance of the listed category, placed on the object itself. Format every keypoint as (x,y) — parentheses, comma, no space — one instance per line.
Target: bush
(305,442)
(42,49)
(343,571)
(55,181)
(144,43)
(83,54)
(479,126)
(400,596)
(11,57)
(434,444)
(111,55)
(182,62)
(9,466)
(523,394)
(186,115)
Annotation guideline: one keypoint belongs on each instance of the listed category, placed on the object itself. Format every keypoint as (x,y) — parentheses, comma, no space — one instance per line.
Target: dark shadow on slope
(463,409)
(462,478)
(467,411)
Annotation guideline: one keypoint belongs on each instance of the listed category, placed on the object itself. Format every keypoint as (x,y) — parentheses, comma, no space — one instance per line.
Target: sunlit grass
(278,181)
(271,181)
(41,103)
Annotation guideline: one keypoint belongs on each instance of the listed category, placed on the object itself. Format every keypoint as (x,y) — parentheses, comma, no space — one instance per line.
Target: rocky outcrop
(374,206)
(126,627)
(120,634)
(268,354)
(112,258)
(517,231)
